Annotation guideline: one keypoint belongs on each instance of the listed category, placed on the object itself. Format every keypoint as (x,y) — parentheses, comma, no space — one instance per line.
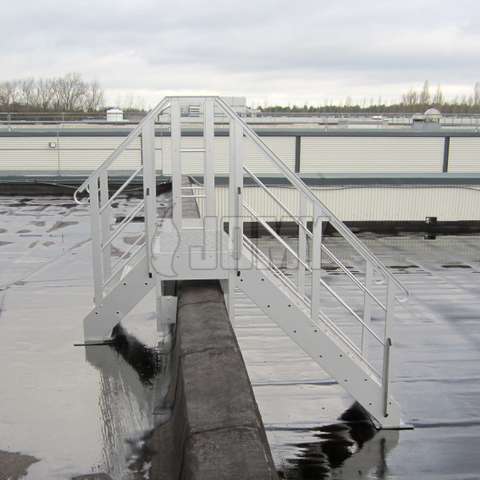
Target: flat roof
(78,411)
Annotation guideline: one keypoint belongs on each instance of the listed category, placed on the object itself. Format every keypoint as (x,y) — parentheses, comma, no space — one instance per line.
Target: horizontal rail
(131,247)
(306,301)
(275,199)
(350,310)
(257,252)
(123,223)
(125,143)
(120,267)
(353,277)
(309,233)
(297,182)
(121,189)
(276,236)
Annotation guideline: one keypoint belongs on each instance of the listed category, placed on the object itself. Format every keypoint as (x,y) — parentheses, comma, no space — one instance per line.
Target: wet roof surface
(436,375)
(78,413)
(75,410)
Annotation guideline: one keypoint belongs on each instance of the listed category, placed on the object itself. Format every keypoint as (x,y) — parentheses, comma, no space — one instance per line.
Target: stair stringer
(118,302)
(320,342)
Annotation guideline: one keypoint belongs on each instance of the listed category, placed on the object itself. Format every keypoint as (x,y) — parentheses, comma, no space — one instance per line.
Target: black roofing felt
(78,412)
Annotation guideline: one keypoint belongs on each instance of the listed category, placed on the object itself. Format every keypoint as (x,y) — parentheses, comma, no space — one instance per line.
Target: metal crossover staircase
(346,327)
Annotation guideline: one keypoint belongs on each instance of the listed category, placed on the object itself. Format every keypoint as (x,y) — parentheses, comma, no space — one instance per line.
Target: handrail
(122,224)
(120,266)
(121,189)
(324,284)
(122,147)
(275,199)
(300,185)
(309,233)
(353,277)
(277,272)
(275,235)
(306,301)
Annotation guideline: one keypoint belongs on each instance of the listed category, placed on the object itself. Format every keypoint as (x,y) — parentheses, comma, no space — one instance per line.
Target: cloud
(265,49)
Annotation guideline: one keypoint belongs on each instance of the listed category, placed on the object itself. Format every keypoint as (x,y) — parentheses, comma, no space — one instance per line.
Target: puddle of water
(79,411)
(436,372)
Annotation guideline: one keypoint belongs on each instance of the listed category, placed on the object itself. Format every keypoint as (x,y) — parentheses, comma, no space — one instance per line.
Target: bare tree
(8,94)
(410,98)
(27,92)
(45,94)
(70,91)
(438,97)
(476,93)
(94,97)
(425,93)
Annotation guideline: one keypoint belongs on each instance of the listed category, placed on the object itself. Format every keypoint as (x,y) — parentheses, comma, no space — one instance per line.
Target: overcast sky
(272,51)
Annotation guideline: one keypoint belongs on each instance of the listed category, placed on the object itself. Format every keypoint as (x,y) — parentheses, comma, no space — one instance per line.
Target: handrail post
(367,306)
(149,185)
(105,217)
(209,167)
(302,243)
(387,344)
(96,233)
(316,261)
(236,189)
(176,162)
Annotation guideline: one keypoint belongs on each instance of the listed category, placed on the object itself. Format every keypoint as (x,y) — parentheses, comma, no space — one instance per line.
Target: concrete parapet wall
(215,431)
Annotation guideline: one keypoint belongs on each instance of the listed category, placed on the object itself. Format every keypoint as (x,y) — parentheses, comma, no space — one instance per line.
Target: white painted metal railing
(311,219)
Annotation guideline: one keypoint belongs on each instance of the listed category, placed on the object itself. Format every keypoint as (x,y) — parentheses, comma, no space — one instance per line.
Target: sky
(271,51)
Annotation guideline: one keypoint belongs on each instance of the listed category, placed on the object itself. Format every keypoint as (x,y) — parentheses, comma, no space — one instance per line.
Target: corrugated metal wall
(371,154)
(192,163)
(28,153)
(370,203)
(318,154)
(464,155)
(69,153)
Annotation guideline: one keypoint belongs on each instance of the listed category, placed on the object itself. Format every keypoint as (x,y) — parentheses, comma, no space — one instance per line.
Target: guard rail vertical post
(105,217)
(387,344)
(176,162)
(367,306)
(316,261)
(149,185)
(236,190)
(302,242)
(209,167)
(96,233)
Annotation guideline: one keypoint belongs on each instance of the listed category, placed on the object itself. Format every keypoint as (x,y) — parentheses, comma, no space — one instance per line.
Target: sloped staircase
(334,327)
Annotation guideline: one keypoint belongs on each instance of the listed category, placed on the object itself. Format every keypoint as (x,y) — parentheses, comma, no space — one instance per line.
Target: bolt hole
(365,379)
(316,331)
(118,313)
(294,331)
(124,284)
(370,403)
(341,355)
(346,380)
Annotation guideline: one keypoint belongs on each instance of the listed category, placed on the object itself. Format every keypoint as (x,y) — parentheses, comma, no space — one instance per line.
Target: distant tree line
(69,93)
(412,101)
